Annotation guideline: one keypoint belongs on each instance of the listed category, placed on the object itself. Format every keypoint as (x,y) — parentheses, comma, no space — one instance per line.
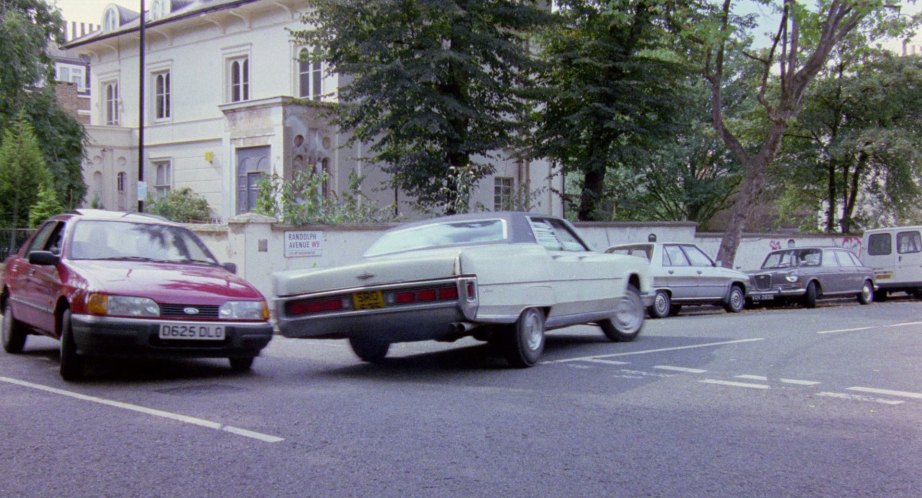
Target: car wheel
(523,341)
(241,364)
(662,305)
(866,296)
(736,301)
(626,323)
(811,295)
(71,362)
(369,350)
(14,331)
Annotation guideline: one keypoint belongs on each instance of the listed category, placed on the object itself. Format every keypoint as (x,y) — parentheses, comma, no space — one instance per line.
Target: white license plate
(191,332)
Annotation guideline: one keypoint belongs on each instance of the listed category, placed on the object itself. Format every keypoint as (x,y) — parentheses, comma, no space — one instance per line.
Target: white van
(895,254)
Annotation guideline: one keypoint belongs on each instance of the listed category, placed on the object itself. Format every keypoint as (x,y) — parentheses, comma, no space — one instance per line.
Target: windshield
(793,258)
(439,235)
(125,241)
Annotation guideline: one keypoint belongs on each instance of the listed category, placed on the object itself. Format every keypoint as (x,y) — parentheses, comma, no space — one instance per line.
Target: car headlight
(103,304)
(244,310)
(791,277)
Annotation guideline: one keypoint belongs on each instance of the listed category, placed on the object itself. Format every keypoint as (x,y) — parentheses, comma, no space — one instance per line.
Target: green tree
(22,173)
(28,28)
(858,142)
(46,206)
(181,205)
(611,86)
(798,50)
(433,84)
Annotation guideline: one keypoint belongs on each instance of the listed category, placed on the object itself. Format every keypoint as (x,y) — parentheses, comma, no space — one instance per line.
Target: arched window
(239,79)
(310,76)
(162,95)
(110,90)
(110,21)
(159,9)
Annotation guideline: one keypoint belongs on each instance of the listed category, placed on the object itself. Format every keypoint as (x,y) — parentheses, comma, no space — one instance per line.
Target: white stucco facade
(231,111)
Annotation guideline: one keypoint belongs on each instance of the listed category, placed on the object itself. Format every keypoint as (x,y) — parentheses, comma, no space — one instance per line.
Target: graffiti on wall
(851,242)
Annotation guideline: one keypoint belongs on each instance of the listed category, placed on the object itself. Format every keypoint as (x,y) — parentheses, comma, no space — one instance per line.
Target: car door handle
(671,272)
(699,272)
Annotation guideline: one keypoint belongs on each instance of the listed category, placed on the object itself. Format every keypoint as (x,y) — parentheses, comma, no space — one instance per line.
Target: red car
(118,284)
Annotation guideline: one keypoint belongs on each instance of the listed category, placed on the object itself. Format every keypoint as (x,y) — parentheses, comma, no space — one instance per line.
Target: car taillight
(470,291)
(426,295)
(307,307)
(405,297)
(446,293)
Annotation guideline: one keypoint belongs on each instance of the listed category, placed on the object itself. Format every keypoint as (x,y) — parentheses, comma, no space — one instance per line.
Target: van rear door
(878,252)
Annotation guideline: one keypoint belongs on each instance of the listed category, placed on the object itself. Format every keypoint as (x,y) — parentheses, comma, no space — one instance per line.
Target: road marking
(857,329)
(680,369)
(889,392)
(148,411)
(649,351)
(784,381)
(858,397)
(607,362)
(734,384)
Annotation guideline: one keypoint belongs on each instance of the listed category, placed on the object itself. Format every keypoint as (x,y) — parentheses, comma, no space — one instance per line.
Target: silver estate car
(810,273)
(684,274)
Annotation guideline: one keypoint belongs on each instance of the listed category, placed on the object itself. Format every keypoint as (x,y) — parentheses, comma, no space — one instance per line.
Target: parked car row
(117,284)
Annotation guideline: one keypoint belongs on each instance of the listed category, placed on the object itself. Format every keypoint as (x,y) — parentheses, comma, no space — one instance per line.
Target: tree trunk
(750,189)
(593,184)
(831,195)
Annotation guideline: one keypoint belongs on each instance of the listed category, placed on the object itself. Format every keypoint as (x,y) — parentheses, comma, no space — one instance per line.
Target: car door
(35,286)
(710,283)
(579,276)
(679,275)
(833,279)
(853,279)
(908,256)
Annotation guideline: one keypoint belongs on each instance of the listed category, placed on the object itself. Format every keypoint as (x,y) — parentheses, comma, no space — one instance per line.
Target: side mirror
(44,258)
(231,267)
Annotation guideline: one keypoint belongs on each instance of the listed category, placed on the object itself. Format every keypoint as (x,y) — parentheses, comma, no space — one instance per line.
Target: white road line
(889,392)
(783,381)
(649,351)
(857,397)
(734,384)
(607,362)
(680,369)
(857,329)
(148,411)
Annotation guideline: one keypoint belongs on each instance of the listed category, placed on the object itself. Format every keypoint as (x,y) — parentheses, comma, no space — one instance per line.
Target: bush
(46,206)
(183,206)
(300,201)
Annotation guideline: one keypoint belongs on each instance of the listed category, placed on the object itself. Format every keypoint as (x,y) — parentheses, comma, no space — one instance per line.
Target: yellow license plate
(368,300)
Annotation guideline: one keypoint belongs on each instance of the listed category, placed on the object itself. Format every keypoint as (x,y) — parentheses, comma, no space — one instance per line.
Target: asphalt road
(775,403)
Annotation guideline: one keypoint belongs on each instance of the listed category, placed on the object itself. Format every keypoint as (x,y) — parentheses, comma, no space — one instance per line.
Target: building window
(252,166)
(72,74)
(120,182)
(503,199)
(162,95)
(111,20)
(239,79)
(110,92)
(159,9)
(310,76)
(163,180)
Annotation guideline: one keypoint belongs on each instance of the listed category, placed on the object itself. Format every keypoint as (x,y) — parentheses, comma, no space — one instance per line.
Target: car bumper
(392,325)
(778,292)
(106,336)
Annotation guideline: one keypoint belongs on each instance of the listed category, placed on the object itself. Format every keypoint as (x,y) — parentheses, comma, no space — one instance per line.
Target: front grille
(762,282)
(179,310)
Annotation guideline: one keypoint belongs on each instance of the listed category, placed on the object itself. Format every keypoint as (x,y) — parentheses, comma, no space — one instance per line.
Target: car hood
(395,268)
(165,282)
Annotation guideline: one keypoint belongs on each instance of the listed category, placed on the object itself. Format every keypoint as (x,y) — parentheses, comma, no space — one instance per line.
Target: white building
(227,101)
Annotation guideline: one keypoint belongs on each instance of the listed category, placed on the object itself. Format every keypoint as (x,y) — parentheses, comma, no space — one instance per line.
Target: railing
(11,239)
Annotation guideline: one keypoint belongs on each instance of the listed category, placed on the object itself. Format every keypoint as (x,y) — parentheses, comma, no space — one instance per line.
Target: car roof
(517,222)
(106,215)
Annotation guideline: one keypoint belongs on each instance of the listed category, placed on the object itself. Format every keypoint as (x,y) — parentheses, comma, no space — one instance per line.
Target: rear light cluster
(396,297)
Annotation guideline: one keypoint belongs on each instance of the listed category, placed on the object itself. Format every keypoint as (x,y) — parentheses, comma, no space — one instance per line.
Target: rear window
(879,244)
(907,242)
(439,235)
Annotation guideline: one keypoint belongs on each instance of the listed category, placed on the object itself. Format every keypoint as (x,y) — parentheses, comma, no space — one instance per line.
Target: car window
(696,256)
(845,259)
(120,240)
(781,259)
(639,252)
(673,256)
(810,257)
(439,235)
(46,236)
(829,259)
(908,242)
(879,244)
(555,236)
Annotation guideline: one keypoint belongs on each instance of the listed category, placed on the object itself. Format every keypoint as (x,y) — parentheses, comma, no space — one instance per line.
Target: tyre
(523,341)
(14,331)
(810,295)
(71,362)
(369,350)
(626,323)
(866,296)
(241,364)
(736,301)
(662,305)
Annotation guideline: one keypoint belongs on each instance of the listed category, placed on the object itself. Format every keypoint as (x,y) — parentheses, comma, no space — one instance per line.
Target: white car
(683,274)
(499,277)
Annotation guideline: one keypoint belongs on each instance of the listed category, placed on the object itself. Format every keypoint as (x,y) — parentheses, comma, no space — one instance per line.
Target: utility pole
(142,191)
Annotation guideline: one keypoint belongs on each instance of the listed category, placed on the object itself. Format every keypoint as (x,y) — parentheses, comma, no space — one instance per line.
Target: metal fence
(11,239)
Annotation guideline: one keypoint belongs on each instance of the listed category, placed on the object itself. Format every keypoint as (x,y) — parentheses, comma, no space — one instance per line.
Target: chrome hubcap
(532,332)
(660,302)
(627,313)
